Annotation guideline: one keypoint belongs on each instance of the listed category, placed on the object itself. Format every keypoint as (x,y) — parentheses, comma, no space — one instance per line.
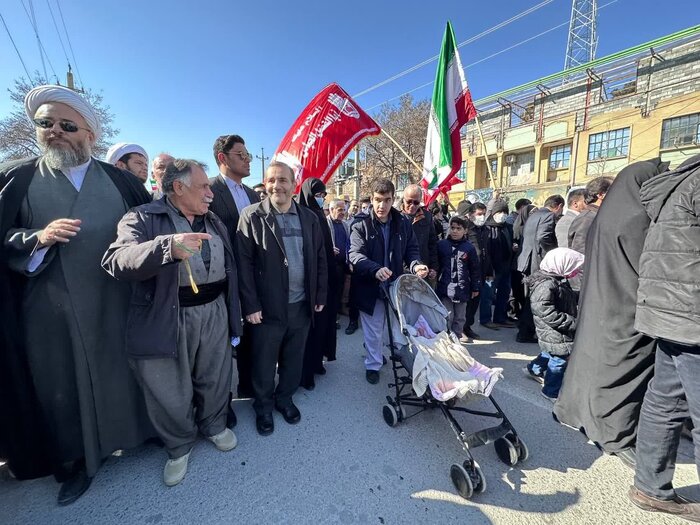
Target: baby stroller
(410,303)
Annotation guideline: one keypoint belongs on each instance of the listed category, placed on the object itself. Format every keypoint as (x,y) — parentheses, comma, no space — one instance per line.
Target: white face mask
(479,220)
(499,217)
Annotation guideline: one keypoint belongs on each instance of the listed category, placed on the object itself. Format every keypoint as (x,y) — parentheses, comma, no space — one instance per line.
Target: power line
(29,78)
(65,54)
(70,46)
(509,48)
(42,50)
(468,41)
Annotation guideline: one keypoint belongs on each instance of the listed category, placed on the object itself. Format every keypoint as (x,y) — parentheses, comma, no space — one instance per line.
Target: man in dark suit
(283,279)
(539,237)
(230,197)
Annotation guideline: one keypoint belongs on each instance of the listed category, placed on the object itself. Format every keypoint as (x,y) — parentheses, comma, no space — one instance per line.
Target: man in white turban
(67,397)
(130,157)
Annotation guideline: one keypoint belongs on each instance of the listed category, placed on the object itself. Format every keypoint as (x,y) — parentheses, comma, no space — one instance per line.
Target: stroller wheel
(523,452)
(402,413)
(477,476)
(520,446)
(390,415)
(462,481)
(506,451)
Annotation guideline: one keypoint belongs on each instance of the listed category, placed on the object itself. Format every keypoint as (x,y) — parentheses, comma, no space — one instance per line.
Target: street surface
(343,464)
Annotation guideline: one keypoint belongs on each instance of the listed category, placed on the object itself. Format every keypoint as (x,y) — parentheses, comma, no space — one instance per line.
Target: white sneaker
(552,399)
(175,470)
(225,440)
(532,376)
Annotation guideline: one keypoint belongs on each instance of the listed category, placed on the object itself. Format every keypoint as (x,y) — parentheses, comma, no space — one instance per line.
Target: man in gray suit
(575,204)
(538,239)
(230,197)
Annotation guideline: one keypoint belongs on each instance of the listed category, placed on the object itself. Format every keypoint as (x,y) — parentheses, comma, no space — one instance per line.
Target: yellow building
(556,133)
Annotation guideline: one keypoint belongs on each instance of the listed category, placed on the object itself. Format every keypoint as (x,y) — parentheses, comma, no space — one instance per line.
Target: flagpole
(420,170)
(483,145)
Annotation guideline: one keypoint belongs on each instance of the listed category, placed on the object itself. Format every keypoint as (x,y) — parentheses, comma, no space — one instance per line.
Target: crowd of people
(125,308)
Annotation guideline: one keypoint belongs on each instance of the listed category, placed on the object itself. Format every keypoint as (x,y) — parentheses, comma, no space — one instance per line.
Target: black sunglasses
(412,202)
(65,125)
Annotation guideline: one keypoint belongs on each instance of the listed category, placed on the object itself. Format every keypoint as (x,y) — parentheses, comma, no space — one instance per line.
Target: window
(521,164)
(680,131)
(462,173)
(494,168)
(609,144)
(559,157)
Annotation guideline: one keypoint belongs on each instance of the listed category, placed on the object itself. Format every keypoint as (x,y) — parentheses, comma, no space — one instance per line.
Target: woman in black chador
(322,337)
(611,363)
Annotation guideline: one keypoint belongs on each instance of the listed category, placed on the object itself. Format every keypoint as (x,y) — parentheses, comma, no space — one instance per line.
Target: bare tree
(17,135)
(407,123)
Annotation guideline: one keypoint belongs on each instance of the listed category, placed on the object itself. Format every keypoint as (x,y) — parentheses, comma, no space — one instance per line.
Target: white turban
(117,151)
(50,93)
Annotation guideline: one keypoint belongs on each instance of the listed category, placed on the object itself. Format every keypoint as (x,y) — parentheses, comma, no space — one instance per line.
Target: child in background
(554,309)
(460,274)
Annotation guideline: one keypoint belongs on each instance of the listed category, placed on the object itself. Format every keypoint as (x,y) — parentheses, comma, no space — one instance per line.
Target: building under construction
(560,131)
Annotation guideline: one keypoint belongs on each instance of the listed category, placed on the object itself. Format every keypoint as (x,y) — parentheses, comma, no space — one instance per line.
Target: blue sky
(178,74)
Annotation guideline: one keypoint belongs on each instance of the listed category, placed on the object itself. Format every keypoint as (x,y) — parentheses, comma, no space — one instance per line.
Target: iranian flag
(451,109)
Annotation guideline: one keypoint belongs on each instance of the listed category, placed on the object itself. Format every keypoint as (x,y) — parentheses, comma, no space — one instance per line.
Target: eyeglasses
(244,155)
(410,202)
(66,125)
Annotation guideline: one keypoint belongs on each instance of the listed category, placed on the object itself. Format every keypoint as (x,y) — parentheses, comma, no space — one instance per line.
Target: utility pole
(262,158)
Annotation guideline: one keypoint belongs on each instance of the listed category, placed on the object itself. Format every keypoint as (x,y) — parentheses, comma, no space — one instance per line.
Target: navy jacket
(367,255)
(460,270)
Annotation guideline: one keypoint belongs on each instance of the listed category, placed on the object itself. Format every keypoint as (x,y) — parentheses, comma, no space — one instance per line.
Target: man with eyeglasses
(230,197)
(67,396)
(422,222)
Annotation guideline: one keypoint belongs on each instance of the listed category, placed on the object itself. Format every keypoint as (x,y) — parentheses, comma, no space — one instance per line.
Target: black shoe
(73,488)
(352,326)
(320,370)
(628,457)
(265,424)
(308,384)
(372,376)
(530,339)
(231,419)
(471,333)
(290,413)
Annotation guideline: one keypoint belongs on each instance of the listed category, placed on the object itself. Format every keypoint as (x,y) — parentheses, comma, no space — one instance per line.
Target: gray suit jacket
(562,228)
(538,239)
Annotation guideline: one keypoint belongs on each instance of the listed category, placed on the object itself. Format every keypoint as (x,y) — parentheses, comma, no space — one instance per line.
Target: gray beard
(58,158)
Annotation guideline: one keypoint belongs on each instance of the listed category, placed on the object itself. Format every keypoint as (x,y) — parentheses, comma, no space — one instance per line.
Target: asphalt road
(343,464)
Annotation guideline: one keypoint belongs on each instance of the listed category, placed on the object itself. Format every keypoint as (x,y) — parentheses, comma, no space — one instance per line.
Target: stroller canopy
(411,297)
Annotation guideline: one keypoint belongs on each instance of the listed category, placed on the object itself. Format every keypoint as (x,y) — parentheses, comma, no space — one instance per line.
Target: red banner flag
(324,134)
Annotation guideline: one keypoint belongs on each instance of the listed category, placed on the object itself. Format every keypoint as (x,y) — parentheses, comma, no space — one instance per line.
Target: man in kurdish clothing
(67,396)
(184,311)
(230,197)
(282,275)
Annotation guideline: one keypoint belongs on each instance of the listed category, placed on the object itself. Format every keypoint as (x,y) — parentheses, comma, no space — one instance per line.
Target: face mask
(499,217)
(479,220)
(320,200)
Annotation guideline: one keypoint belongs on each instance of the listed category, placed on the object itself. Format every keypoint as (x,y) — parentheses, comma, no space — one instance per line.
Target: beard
(65,155)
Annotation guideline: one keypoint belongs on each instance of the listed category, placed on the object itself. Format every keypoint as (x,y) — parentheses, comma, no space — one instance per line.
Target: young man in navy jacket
(380,246)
